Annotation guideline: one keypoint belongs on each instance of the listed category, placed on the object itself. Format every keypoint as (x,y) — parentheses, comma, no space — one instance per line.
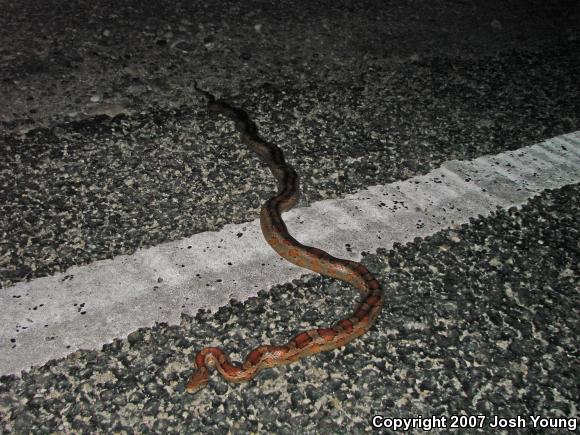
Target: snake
(276,234)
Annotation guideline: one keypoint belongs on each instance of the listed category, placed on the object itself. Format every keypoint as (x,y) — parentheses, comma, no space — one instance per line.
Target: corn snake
(276,234)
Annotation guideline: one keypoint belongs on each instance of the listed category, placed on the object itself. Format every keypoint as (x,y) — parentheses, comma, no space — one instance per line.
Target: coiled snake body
(275,232)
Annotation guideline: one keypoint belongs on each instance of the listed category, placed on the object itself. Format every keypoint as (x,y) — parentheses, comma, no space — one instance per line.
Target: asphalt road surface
(106,151)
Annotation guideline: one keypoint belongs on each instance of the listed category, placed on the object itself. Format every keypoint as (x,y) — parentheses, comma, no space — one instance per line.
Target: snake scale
(275,232)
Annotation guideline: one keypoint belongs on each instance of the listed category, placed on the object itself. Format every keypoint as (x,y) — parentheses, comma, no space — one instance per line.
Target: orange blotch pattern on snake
(275,232)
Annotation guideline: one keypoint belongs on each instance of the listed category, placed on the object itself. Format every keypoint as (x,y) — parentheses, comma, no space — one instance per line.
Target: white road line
(89,306)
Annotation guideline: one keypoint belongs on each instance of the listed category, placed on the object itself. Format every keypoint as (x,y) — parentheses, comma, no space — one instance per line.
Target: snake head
(198,381)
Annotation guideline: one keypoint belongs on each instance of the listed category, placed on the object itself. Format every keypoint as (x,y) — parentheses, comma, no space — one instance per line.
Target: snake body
(276,234)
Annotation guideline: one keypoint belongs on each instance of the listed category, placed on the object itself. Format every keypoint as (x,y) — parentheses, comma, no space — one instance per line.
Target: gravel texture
(481,319)
(79,59)
(105,148)
(96,188)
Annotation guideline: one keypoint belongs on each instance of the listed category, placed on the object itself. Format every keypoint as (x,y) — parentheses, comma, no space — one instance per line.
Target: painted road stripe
(88,306)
